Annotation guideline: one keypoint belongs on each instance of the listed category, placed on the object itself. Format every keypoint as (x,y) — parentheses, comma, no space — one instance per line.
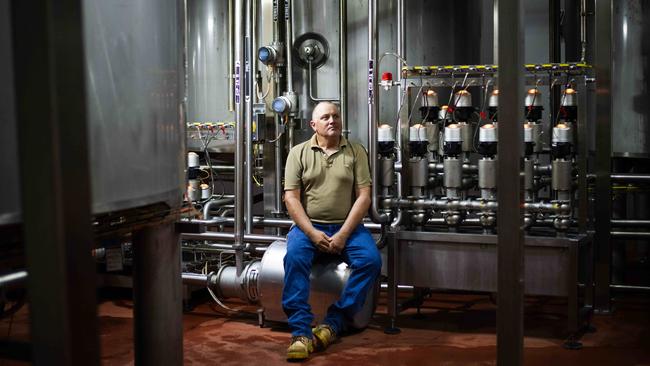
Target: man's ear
(312,124)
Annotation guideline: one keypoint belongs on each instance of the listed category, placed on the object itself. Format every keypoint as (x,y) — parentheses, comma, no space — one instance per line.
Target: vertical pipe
(571,29)
(583,151)
(603,163)
(343,64)
(373,41)
(509,217)
(157,292)
(231,78)
(186,76)
(277,120)
(583,30)
(555,55)
(401,50)
(249,80)
(288,18)
(51,119)
(239,134)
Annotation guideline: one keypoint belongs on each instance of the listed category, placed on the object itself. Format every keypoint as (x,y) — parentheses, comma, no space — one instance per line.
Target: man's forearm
(356,215)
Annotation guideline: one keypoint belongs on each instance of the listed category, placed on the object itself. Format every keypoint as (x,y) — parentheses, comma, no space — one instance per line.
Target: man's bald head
(318,110)
(326,120)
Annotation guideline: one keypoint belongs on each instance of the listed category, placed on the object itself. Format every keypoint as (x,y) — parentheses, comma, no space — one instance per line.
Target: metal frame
(53,152)
(477,256)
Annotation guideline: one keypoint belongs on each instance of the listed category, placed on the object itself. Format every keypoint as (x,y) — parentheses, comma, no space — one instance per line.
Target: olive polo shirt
(327,183)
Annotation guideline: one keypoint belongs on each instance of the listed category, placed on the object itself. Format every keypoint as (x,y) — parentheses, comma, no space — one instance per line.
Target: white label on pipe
(286,10)
(237,83)
(371,81)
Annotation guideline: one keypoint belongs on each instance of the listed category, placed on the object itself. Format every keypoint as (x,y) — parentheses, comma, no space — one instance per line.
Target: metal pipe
(384,286)
(239,136)
(15,277)
(228,168)
(220,248)
(253,238)
(288,18)
(630,288)
(186,76)
(216,202)
(630,234)
(195,279)
(373,110)
(287,223)
(276,22)
(631,223)
(231,79)
(401,49)
(439,167)
(249,78)
(309,87)
(631,178)
(277,145)
(343,64)
(583,30)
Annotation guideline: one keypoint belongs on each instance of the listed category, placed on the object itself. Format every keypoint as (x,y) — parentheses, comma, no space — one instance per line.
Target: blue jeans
(361,255)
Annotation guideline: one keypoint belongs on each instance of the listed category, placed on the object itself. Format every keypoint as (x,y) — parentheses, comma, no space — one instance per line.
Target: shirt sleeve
(293,170)
(361,170)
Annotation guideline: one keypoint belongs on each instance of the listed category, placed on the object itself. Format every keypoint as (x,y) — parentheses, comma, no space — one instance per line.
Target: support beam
(158,296)
(603,209)
(510,283)
(50,92)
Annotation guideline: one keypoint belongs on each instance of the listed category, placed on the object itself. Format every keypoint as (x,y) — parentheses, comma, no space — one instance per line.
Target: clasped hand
(328,244)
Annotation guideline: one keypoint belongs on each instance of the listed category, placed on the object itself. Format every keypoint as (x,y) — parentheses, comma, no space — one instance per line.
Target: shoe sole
(292,357)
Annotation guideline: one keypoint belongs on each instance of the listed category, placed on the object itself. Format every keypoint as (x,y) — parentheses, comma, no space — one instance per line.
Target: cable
(212,294)
(269,78)
(284,123)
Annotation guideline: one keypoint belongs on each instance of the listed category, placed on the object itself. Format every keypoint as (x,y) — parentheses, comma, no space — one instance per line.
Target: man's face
(326,120)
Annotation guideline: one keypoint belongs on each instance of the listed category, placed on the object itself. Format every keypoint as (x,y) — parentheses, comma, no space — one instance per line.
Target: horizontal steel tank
(327,281)
(134,78)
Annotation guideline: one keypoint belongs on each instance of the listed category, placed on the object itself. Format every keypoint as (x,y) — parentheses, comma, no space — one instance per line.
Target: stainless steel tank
(327,282)
(134,82)
(208,57)
(9,179)
(631,78)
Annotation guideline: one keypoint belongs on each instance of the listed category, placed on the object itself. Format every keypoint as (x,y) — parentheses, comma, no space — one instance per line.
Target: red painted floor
(455,330)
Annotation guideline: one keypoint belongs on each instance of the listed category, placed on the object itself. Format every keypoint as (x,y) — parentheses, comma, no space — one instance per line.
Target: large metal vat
(208,57)
(134,81)
(631,78)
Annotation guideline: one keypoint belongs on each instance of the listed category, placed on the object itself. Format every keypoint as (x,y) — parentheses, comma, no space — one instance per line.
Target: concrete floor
(456,330)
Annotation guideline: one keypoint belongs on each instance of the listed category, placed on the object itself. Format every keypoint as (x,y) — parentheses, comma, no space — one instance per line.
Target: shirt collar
(314,142)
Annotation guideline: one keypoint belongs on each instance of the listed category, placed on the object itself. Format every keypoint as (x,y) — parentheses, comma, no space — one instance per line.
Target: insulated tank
(631,78)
